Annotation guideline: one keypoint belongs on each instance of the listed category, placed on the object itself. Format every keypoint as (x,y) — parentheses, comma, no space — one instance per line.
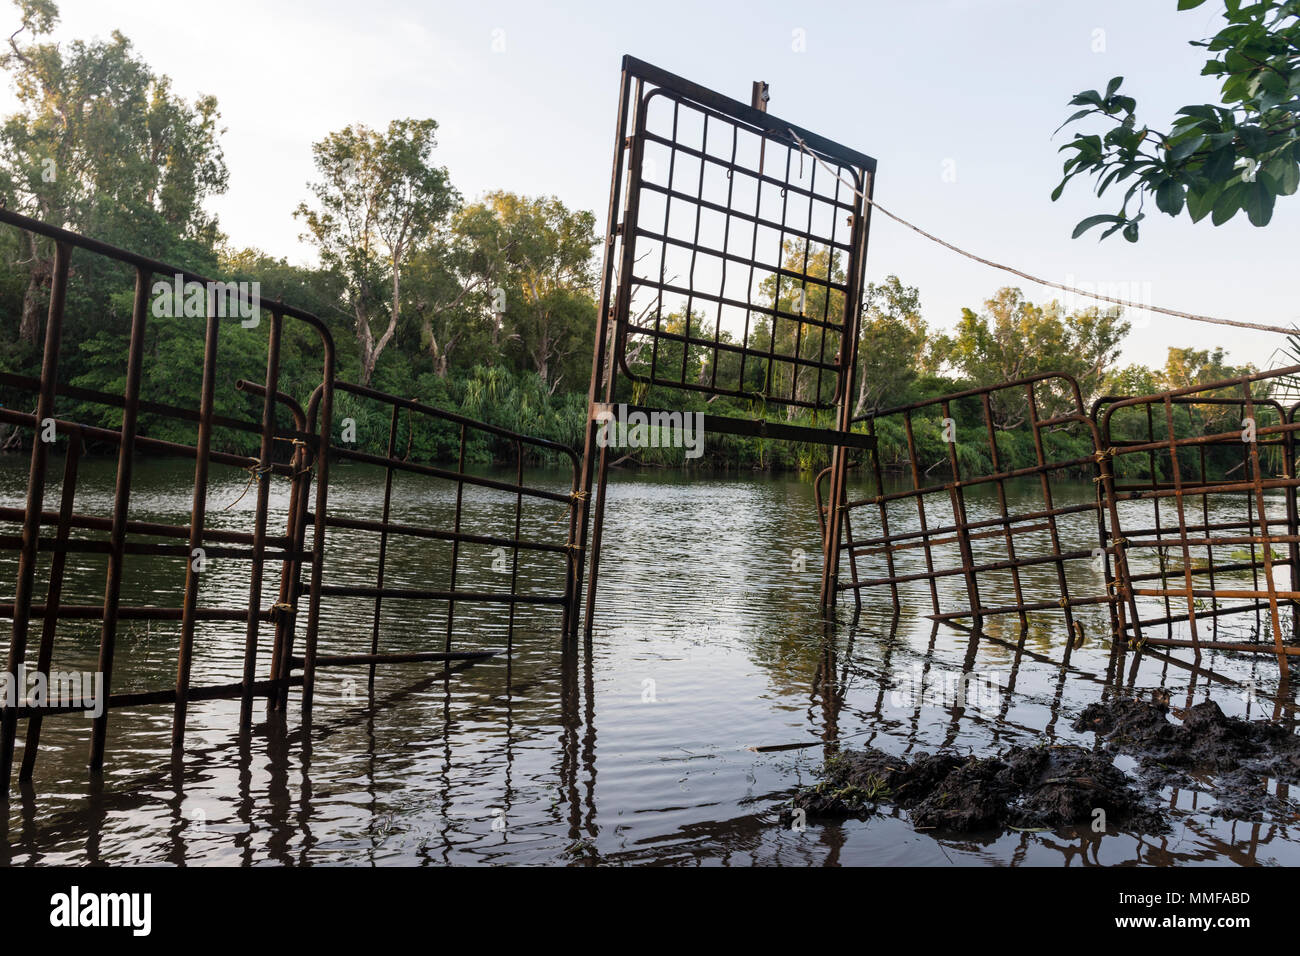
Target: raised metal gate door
(733,267)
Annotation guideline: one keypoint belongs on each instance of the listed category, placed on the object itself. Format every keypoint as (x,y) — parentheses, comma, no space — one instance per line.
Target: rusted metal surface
(1192,530)
(733,267)
(297,451)
(1208,490)
(921,529)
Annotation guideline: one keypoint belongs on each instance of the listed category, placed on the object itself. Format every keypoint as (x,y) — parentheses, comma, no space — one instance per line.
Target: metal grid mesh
(742,252)
(951,519)
(1194,518)
(81,538)
(1206,514)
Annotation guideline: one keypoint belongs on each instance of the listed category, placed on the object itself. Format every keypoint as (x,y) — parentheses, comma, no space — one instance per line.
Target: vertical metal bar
(572,557)
(514,562)
(848,358)
(383,541)
(996,460)
(54,595)
(1182,526)
(1155,507)
(1046,485)
(1115,577)
(295,529)
(198,515)
(324,440)
(695,251)
(602,361)
(1292,523)
(26,582)
(920,512)
(726,239)
(613,316)
(121,505)
(455,544)
(960,522)
(1205,518)
(1123,574)
(1257,479)
(263,472)
(597,529)
(663,250)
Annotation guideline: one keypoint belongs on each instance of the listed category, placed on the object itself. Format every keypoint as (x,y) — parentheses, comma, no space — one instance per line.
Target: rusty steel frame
(451,595)
(1190,483)
(1184,487)
(118,536)
(962,531)
(631,237)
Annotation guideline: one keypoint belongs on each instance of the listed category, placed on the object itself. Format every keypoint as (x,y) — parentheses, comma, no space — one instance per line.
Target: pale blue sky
(973,86)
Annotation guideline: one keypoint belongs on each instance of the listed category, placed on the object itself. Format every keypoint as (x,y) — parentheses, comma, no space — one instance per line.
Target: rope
(1259,327)
(254,472)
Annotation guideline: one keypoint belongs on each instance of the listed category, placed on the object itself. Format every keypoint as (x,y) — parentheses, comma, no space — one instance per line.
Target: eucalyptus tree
(379,200)
(101,144)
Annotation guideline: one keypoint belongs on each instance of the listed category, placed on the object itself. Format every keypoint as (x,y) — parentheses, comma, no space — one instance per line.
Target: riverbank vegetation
(483,305)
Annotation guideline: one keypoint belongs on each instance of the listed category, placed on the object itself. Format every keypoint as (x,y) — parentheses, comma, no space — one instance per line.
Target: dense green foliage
(1215,159)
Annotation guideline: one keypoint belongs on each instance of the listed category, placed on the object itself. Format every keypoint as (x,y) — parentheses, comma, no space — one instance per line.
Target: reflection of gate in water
(250,356)
(1193,520)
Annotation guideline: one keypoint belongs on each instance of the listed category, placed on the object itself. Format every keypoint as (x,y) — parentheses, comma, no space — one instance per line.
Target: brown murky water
(635,750)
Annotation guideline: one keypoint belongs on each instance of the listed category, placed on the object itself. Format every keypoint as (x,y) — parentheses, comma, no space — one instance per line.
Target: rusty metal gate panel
(1199,471)
(296,446)
(735,245)
(733,267)
(951,518)
(466,551)
(1180,478)
(116,535)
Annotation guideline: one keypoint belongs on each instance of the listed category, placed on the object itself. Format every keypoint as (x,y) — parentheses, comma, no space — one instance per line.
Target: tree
(893,344)
(1014,339)
(1133,380)
(794,295)
(1185,367)
(380,202)
(548,307)
(458,284)
(1215,159)
(102,146)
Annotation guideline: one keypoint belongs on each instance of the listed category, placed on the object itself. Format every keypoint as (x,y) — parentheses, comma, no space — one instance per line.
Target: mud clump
(1205,740)
(1025,787)
(1230,758)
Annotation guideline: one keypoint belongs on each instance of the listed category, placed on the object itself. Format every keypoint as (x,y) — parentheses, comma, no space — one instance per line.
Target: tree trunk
(365,344)
(29,326)
(42,271)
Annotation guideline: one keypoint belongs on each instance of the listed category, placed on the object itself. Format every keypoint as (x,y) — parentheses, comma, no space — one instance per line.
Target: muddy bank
(1026,787)
(1230,759)
(1233,761)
